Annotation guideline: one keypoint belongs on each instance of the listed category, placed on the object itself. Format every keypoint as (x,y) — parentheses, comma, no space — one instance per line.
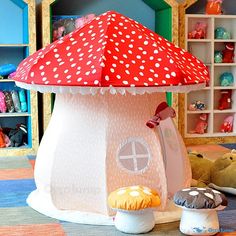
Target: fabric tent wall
(127,118)
(83,168)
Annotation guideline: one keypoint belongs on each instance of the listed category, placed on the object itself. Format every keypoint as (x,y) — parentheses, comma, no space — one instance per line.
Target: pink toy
(7,141)
(227,125)
(202,124)
(228,53)
(199,31)
(214,7)
(225,100)
(3,107)
(83,20)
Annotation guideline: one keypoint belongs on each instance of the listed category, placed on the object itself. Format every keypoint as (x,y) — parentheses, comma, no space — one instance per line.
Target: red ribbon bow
(162,112)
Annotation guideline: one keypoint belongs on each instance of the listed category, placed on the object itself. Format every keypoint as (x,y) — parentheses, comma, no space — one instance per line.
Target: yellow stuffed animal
(201,169)
(223,172)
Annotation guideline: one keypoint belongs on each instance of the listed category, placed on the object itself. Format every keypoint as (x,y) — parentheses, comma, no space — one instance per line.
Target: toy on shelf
(3,106)
(79,22)
(218,57)
(225,100)
(200,205)
(197,106)
(22,98)
(226,79)
(64,25)
(11,76)
(2,139)
(228,53)
(222,33)
(16,101)
(134,206)
(199,31)
(18,136)
(9,101)
(7,69)
(214,7)
(201,126)
(227,126)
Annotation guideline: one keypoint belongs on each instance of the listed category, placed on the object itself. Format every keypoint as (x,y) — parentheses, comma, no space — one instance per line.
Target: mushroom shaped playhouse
(199,206)
(97,140)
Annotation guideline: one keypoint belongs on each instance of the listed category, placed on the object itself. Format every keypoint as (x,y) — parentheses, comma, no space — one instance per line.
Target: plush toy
(67,24)
(7,141)
(199,31)
(214,7)
(22,98)
(16,100)
(3,106)
(223,172)
(225,100)
(9,101)
(197,106)
(83,20)
(218,57)
(201,125)
(201,169)
(227,126)
(7,69)
(18,135)
(228,53)
(2,139)
(222,33)
(226,79)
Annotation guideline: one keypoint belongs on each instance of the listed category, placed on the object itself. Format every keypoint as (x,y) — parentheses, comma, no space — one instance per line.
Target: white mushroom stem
(199,221)
(84,135)
(135,222)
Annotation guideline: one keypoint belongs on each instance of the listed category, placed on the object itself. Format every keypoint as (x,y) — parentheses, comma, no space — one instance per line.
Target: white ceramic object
(135,222)
(199,221)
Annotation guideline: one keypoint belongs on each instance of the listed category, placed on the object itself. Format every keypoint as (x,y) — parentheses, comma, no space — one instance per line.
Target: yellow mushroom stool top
(133,198)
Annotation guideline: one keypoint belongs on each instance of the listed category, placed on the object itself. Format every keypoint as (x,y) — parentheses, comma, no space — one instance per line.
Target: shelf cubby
(202,50)
(16,43)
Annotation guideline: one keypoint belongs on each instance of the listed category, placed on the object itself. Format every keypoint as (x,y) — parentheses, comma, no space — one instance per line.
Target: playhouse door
(177,166)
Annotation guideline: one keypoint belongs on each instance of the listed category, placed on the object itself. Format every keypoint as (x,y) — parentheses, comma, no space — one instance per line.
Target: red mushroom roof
(111,51)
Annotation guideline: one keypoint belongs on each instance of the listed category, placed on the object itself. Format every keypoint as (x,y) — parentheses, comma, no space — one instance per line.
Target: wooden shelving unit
(17,42)
(204,49)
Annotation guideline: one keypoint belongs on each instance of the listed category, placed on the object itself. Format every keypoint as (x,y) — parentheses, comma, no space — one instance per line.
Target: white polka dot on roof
(201,189)
(193,193)
(209,195)
(134,193)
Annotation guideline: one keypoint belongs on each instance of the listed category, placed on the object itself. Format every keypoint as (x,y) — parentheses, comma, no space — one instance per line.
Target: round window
(134,155)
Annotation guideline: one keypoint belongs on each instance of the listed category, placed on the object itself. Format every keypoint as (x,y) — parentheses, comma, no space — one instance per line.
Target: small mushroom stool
(134,207)
(199,216)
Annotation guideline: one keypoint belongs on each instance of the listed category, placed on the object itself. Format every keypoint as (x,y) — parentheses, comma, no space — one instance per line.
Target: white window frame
(134,156)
